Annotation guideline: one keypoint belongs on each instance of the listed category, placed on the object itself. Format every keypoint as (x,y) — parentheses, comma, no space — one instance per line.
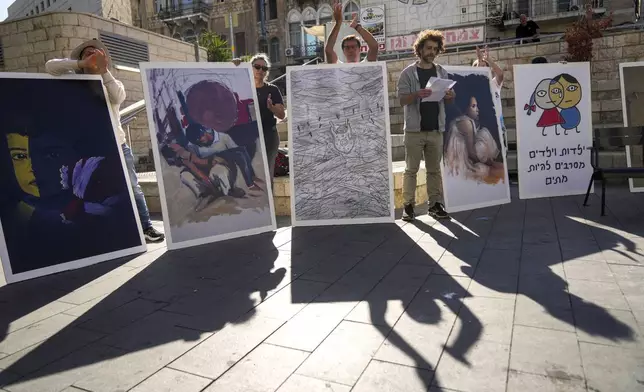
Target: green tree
(217,48)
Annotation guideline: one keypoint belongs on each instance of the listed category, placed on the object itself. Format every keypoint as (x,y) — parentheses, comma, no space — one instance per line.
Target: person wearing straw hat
(92,57)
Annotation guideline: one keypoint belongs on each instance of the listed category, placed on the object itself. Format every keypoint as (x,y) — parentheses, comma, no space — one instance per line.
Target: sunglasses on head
(260,67)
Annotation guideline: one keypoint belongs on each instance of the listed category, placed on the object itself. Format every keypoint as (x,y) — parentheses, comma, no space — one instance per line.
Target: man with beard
(91,57)
(424,124)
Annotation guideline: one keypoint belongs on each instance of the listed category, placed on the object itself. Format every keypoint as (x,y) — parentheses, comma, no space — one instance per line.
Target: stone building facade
(187,21)
(27,43)
(119,10)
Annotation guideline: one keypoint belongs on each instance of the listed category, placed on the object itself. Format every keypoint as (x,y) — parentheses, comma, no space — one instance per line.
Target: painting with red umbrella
(209,151)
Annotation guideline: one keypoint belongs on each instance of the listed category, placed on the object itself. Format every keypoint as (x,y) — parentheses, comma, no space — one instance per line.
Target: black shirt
(428,110)
(527,31)
(268,118)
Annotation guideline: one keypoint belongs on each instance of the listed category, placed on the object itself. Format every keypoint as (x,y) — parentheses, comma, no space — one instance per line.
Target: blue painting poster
(66,201)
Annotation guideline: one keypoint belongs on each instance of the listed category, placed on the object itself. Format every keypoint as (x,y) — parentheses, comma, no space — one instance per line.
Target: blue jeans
(139,197)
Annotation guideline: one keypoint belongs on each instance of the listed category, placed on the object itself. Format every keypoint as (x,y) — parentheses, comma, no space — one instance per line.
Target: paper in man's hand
(439,87)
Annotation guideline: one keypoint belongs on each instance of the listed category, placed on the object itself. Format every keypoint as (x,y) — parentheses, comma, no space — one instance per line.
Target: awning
(316,31)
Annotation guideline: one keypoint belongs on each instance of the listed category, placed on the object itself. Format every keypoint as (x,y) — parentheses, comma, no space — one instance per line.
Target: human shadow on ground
(122,329)
(504,255)
(381,277)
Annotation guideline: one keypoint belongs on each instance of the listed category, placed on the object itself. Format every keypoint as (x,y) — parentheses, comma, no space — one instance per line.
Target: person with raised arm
(350,43)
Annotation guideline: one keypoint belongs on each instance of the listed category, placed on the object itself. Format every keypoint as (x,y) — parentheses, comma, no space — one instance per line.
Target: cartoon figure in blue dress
(571,98)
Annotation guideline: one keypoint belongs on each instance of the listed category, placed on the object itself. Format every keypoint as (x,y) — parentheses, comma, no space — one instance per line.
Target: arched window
(275,50)
(309,17)
(349,9)
(325,14)
(295,29)
(262,46)
(176,36)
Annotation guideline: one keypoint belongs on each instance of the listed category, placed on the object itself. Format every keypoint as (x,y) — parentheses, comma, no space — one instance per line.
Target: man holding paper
(423,89)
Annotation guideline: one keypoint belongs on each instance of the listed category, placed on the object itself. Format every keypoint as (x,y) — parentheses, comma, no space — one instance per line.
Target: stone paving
(539,295)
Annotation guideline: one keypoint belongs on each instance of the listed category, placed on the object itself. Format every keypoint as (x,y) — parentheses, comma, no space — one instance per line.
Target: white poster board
(474,174)
(209,152)
(340,144)
(66,194)
(632,86)
(554,129)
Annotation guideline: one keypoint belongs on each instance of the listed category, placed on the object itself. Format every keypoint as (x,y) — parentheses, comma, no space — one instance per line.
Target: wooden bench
(610,138)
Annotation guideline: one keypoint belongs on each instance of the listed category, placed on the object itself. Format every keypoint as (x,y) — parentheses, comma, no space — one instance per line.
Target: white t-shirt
(363,61)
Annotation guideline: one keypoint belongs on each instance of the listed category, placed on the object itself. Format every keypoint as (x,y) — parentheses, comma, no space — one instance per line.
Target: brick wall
(29,42)
(608,51)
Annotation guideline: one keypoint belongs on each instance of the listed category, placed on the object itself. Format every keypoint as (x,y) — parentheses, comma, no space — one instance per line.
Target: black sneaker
(438,212)
(408,213)
(152,235)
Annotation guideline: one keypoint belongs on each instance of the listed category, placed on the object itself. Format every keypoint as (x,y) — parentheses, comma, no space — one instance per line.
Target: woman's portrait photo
(472,146)
(474,166)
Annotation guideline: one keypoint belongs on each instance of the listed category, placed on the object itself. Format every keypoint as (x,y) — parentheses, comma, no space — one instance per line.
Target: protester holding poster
(554,129)
(92,58)
(483,59)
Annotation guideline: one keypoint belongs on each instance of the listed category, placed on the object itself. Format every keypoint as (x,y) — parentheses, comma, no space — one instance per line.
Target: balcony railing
(548,9)
(308,51)
(175,11)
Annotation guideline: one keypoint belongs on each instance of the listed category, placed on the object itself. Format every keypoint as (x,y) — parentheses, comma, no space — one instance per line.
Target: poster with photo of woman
(474,167)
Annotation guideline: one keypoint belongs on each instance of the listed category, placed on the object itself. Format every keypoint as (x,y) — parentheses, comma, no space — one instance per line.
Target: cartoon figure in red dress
(547,96)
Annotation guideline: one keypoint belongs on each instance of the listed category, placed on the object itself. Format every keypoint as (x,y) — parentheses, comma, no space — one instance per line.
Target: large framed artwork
(66,200)
(340,144)
(554,129)
(209,153)
(474,167)
(632,84)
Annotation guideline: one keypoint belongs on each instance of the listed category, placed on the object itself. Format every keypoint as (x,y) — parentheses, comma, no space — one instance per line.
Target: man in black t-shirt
(424,124)
(527,29)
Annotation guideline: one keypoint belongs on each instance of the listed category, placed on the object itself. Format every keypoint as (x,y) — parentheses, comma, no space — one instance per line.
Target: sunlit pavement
(543,295)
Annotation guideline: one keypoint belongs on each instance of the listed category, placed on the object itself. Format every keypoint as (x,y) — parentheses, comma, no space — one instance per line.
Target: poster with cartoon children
(554,129)
(558,97)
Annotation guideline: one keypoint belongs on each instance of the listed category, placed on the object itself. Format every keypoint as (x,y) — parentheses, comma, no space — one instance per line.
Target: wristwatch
(357,26)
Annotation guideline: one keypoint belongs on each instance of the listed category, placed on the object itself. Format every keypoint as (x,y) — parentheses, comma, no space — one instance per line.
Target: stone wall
(29,42)
(608,52)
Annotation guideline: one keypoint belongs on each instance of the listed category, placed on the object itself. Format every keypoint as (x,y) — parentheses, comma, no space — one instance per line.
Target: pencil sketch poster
(632,86)
(474,168)
(209,152)
(66,200)
(554,129)
(340,144)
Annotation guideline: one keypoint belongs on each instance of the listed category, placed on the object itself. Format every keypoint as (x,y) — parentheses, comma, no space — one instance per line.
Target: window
(349,9)
(263,46)
(295,34)
(240,43)
(275,50)
(310,41)
(272,9)
(42,5)
(325,15)
(1,55)
(48,3)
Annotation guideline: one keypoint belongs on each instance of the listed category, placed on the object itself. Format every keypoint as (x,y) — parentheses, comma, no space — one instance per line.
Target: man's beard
(428,58)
